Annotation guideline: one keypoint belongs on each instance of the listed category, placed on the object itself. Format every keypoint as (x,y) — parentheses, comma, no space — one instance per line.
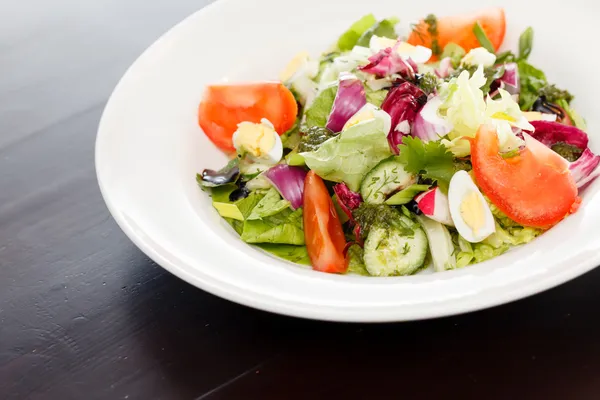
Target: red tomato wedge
(534,188)
(225,106)
(323,232)
(459,29)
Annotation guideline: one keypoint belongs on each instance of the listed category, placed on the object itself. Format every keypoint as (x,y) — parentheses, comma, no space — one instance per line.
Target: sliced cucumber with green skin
(389,253)
(384,179)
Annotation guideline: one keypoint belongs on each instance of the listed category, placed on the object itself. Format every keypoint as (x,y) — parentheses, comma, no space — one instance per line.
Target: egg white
(462,185)
(268,156)
(367,113)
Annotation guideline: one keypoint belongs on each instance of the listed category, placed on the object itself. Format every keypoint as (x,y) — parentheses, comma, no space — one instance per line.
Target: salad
(390,152)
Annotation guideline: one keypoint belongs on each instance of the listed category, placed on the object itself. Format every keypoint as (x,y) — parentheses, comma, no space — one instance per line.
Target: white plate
(149,148)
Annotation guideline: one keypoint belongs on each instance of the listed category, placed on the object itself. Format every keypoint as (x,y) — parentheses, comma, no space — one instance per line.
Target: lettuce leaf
(508,234)
(356,264)
(351,154)
(465,107)
(376,97)
(283,228)
(384,28)
(349,38)
(295,254)
(318,112)
(220,194)
(269,205)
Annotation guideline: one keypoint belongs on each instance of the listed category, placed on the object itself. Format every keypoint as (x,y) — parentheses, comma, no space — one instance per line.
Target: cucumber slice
(385,178)
(440,244)
(389,253)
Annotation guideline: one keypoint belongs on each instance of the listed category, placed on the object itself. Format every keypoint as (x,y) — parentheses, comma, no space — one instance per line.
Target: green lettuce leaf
(350,155)
(483,252)
(282,228)
(349,38)
(244,205)
(318,112)
(291,138)
(508,234)
(376,97)
(247,204)
(295,254)
(384,28)
(220,194)
(473,253)
(532,81)
(269,205)
(356,263)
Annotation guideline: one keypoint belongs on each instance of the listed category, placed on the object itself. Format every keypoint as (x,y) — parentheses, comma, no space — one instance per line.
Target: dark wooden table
(85,315)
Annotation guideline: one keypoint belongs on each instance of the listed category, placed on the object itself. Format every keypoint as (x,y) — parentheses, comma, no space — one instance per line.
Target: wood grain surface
(85,315)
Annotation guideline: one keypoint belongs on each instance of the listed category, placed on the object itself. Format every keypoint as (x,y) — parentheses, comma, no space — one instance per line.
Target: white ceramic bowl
(149,148)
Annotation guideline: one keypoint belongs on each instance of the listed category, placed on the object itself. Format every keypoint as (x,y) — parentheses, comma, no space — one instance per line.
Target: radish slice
(434,204)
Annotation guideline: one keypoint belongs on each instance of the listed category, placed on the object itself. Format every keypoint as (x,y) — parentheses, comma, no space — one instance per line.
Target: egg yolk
(471,211)
(257,139)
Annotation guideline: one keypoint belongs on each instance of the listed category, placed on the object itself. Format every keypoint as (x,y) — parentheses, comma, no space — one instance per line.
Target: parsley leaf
(431,160)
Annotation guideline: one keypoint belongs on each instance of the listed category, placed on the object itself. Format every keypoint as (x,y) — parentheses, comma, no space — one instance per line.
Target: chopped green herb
(428,83)
(312,139)
(405,249)
(482,37)
(369,216)
(554,94)
(569,152)
(432,29)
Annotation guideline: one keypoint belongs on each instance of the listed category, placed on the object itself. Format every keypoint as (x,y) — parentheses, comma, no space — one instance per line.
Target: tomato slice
(323,232)
(459,29)
(225,106)
(534,188)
